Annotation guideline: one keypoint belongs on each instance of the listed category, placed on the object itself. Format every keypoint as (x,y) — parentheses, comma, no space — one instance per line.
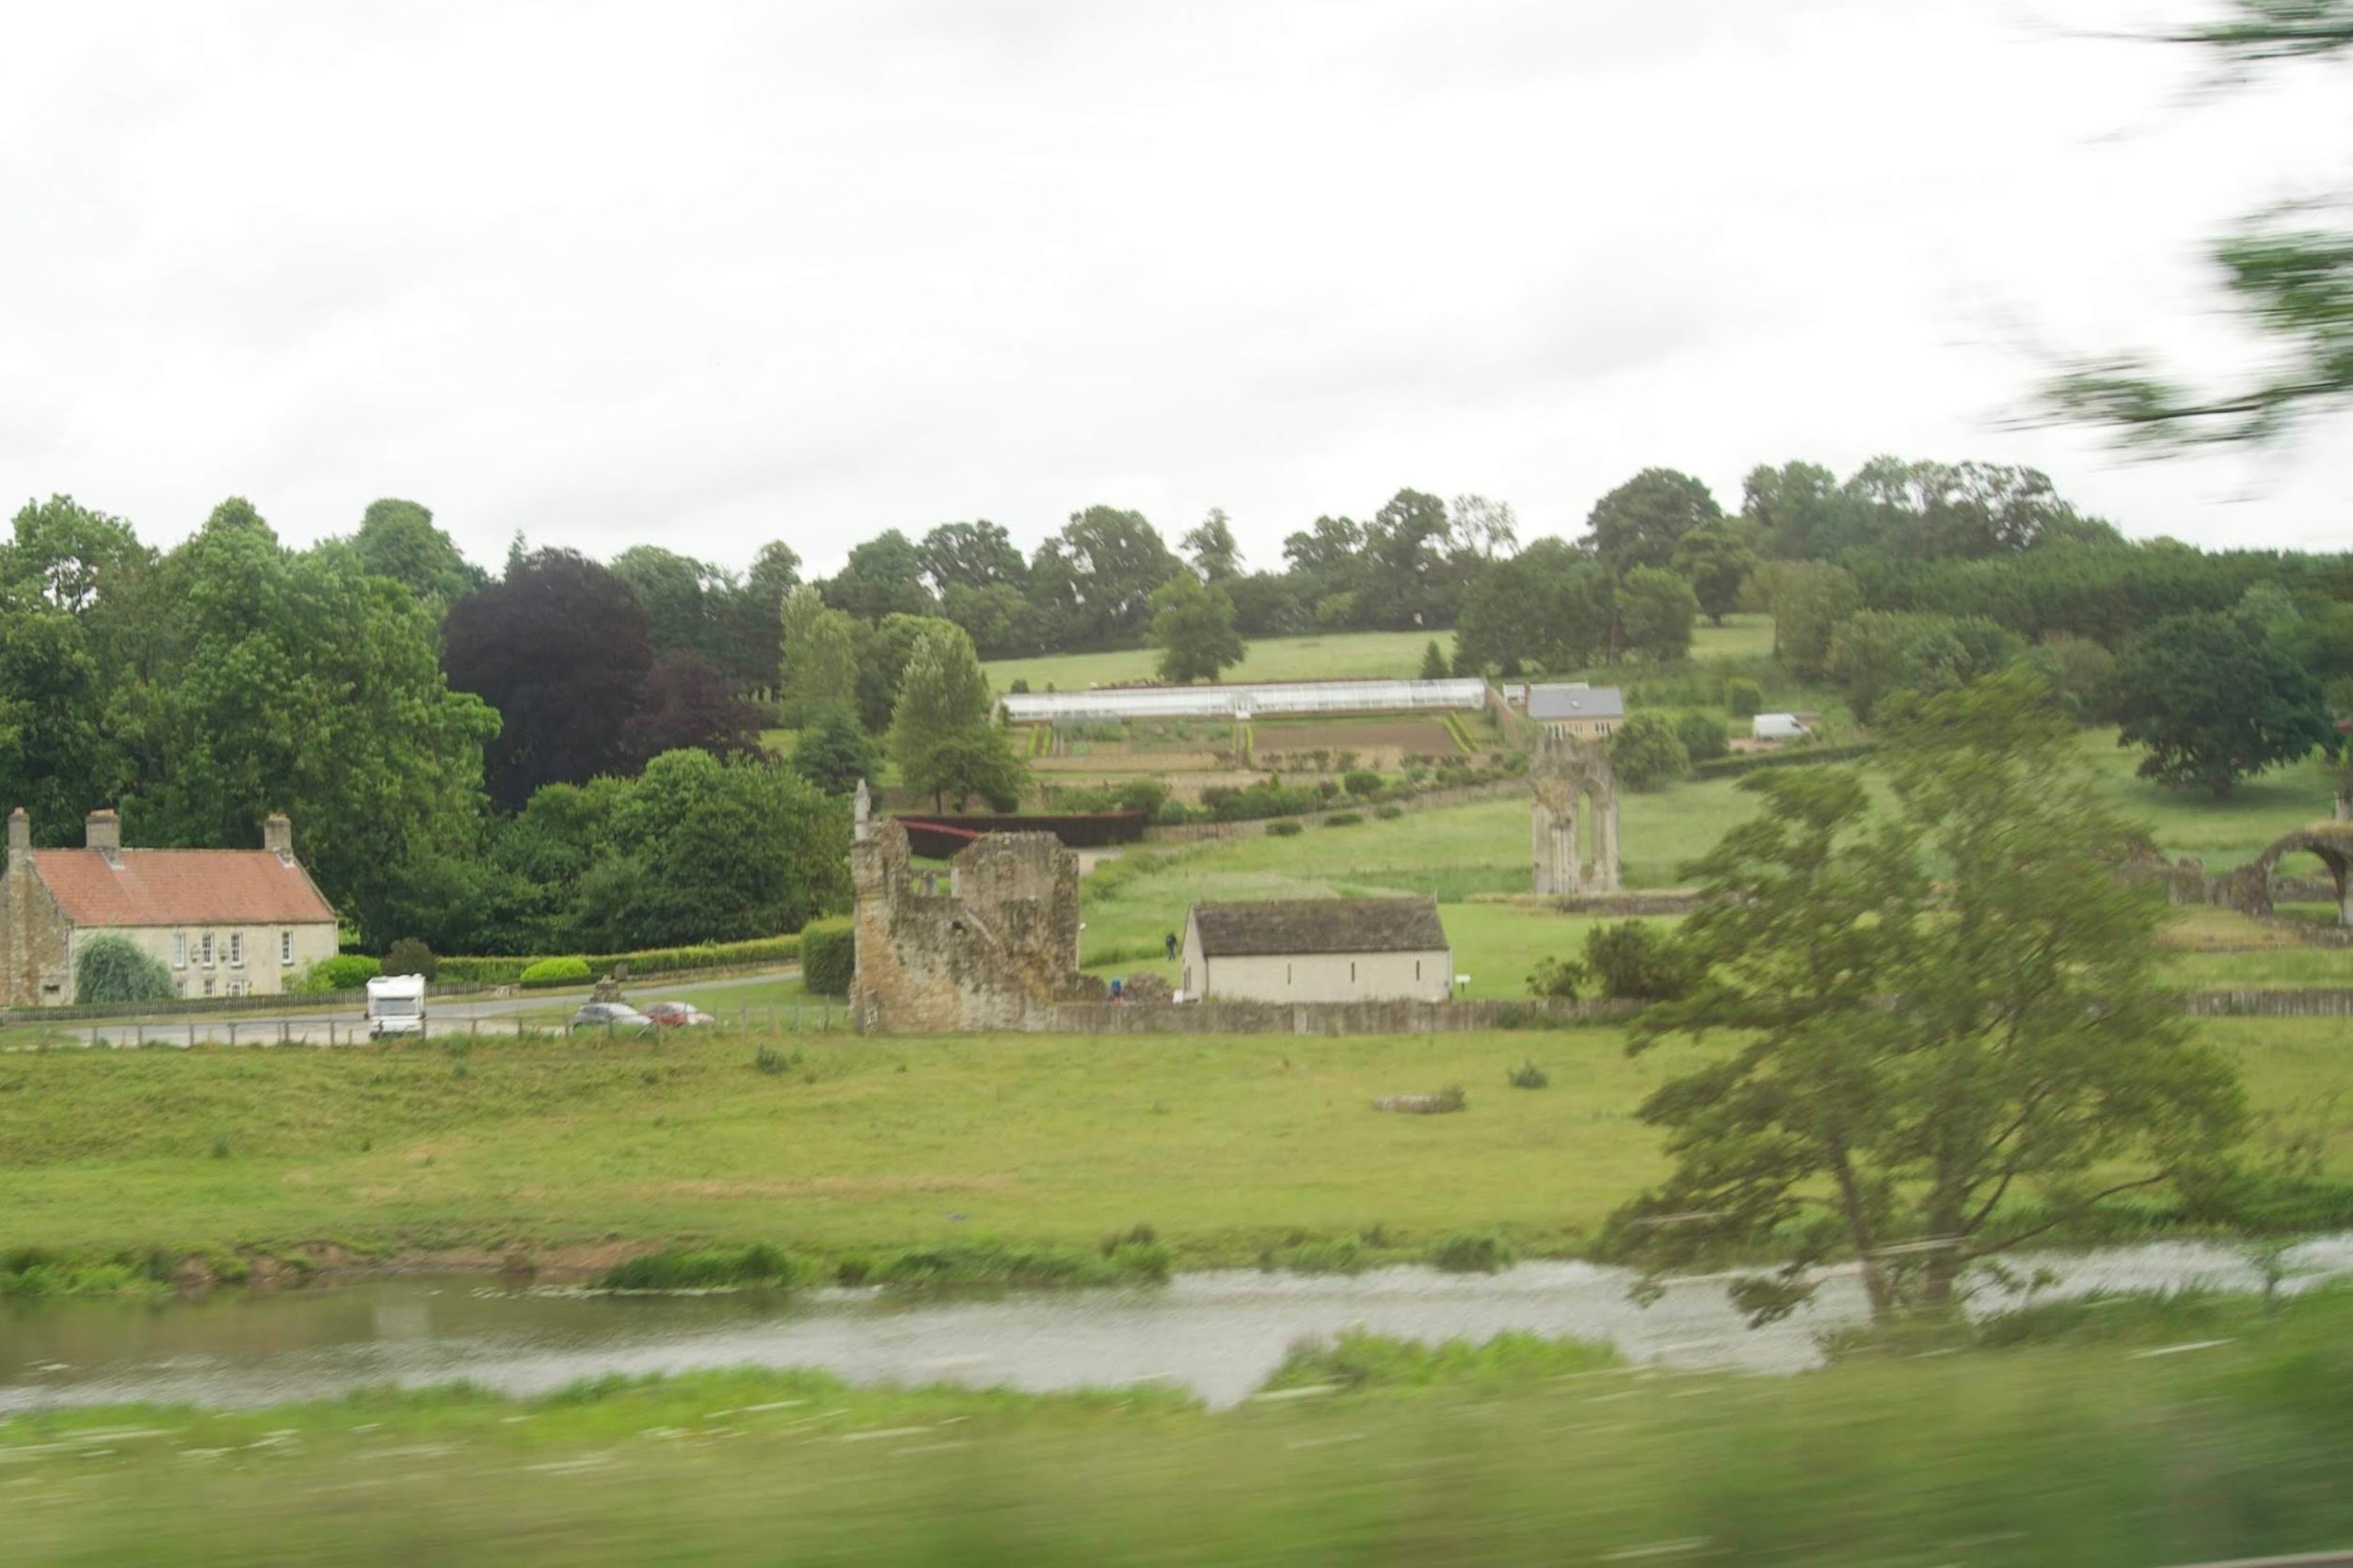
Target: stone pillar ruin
(1569,778)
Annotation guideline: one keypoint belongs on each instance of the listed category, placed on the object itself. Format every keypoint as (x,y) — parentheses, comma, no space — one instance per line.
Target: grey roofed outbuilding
(1574,702)
(1318,926)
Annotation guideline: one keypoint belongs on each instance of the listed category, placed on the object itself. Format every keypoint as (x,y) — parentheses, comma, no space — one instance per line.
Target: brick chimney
(19,836)
(103,831)
(278,835)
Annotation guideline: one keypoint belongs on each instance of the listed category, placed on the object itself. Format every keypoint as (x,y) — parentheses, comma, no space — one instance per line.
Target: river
(1216,1334)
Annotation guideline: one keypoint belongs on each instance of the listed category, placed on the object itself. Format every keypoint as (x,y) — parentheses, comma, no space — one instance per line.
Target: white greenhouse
(1121,704)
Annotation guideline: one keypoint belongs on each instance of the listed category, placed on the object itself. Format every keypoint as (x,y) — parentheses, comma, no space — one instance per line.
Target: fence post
(191,1033)
(475,1032)
(141,1034)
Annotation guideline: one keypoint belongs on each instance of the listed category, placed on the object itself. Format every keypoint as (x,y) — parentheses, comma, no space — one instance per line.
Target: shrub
(1341,1256)
(1647,753)
(1528,1076)
(1702,737)
(1344,819)
(1743,698)
(1509,1361)
(1388,810)
(768,1060)
(1481,1253)
(1362,783)
(346,971)
(1173,812)
(410,956)
(676,1268)
(1564,978)
(1451,1098)
(1637,961)
(110,968)
(828,957)
(990,1265)
(1285,827)
(557,971)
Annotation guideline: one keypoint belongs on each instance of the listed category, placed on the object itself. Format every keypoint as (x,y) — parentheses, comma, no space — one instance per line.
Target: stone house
(1575,710)
(226,922)
(1317,949)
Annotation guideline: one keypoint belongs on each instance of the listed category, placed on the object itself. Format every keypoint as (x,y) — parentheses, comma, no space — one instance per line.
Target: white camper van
(395,1005)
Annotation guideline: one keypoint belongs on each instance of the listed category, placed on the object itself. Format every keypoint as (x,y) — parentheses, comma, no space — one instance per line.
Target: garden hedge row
(828,957)
(714,955)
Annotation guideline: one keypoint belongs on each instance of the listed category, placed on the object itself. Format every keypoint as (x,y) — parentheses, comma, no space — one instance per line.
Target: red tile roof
(179,887)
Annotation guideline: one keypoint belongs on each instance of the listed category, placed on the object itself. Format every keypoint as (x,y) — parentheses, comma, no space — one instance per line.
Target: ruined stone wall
(1004,939)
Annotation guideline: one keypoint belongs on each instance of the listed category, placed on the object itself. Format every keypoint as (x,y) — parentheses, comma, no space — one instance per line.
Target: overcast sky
(710,274)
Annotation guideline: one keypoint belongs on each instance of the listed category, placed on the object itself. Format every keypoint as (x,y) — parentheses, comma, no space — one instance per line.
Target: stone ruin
(2256,887)
(1572,777)
(1003,939)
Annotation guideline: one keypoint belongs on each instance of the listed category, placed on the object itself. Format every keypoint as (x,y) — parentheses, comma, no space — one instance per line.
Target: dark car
(678,1014)
(616,1017)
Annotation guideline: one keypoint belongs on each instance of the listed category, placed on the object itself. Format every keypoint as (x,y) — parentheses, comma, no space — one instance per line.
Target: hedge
(557,971)
(828,957)
(1788,756)
(714,955)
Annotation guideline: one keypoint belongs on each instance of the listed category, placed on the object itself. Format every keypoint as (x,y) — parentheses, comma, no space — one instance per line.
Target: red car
(678,1014)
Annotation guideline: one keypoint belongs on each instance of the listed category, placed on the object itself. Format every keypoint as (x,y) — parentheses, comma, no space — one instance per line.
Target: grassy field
(1227,1145)
(1339,656)
(2088,1448)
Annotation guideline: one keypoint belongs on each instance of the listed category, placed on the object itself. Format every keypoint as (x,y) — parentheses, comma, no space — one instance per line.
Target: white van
(395,1005)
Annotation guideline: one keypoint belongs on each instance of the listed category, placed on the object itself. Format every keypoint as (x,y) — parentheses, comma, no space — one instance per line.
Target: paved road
(485,1016)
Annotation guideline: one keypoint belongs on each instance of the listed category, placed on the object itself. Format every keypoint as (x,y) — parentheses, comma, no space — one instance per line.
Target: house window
(208,986)
(236,987)
(179,949)
(1416,969)
(285,947)
(1286,975)
(207,951)
(1352,971)
(237,950)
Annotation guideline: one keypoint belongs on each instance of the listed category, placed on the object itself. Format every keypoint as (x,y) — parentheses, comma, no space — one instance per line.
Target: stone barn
(1317,949)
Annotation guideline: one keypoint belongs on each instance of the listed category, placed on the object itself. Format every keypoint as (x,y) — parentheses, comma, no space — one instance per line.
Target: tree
(2290,272)
(1481,530)
(834,753)
(750,618)
(883,652)
(1646,754)
(1799,511)
(1808,603)
(1656,611)
(999,619)
(1716,560)
(1215,556)
(1103,569)
(1403,579)
(683,704)
(682,598)
(1948,1034)
(398,540)
(1641,522)
(972,556)
(1192,626)
(559,648)
(1703,736)
(817,666)
(2213,702)
(110,969)
(940,733)
(1547,606)
(1434,666)
(884,576)
(1866,652)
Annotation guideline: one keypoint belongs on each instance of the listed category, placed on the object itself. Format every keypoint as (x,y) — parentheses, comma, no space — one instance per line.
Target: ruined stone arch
(1573,784)
(2250,885)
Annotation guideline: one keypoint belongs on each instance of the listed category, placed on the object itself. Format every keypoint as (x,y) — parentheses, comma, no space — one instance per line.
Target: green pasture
(2084,1446)
(1343,656)
(1227,1145)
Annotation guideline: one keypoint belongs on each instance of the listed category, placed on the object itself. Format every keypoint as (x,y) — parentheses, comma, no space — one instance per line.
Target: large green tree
(2214,701)
(1210,543)
(940,733)
(1946,1031)
(1095,580)
(1641,522)
(884,576)
(1657,612)
(399,539)
(1192,626)
(1715,558)
(817,670)
(1547,607)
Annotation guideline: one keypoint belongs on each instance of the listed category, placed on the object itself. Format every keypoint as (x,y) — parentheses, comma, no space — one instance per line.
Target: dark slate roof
(1319,925)
(1571,702)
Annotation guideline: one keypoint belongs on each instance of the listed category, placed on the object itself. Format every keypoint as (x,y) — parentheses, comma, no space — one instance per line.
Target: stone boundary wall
(1464,794)
(1454,1018)
(1665,901)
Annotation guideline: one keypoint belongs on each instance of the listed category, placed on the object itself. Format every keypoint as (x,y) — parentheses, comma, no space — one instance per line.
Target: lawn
(1339,656)
(2090,1449)
(1227,1145)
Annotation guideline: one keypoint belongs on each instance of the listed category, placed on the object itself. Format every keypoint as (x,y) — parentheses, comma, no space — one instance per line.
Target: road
(482,1016)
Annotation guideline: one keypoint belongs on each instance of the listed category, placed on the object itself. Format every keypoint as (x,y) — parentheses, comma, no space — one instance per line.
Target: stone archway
(1573,784)
(2250,885)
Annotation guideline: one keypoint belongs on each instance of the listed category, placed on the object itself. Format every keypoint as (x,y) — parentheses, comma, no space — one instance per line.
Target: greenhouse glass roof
(1122,703)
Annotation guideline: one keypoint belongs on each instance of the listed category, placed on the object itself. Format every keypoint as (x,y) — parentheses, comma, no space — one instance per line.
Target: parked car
(618,1016)
(678,1014)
